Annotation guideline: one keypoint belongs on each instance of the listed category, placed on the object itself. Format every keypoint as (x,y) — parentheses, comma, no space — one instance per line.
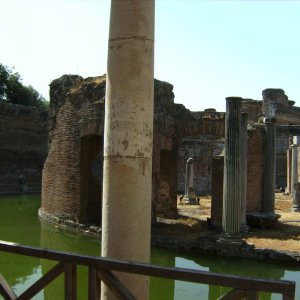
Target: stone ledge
(207,244)
(67,223)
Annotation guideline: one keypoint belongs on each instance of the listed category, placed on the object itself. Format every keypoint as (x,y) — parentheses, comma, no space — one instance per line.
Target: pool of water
(19,223)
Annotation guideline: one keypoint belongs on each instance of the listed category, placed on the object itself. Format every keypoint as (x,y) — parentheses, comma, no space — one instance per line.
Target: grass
(285,236)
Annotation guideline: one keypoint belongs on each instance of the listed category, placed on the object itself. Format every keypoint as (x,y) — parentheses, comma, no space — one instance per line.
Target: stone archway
(91,174)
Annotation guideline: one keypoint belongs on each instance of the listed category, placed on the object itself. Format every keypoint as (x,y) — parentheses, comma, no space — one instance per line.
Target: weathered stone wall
(282,145)
(202,150)
(72,180)
(217,191)
(76,113)
(202,138)
(253,108)
(165,149)
(23,147)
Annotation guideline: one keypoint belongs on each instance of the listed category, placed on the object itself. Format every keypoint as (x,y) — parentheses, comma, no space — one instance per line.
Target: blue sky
(207,49)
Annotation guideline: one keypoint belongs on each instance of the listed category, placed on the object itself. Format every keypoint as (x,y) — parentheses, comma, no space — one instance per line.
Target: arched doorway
(91,176)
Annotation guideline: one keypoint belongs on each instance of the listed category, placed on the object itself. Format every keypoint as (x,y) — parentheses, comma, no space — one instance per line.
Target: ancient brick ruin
(72,180)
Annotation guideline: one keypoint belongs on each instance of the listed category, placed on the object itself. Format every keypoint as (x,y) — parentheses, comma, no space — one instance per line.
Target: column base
(296,208)
(262,220)
(189,200)
(230,238)
(229,245)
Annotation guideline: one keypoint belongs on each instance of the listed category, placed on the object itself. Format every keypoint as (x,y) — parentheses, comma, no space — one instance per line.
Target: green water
(19,223)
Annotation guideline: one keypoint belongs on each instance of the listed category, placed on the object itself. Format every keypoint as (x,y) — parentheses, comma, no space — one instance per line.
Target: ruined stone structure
(72,178)
(262,153)
(23,150)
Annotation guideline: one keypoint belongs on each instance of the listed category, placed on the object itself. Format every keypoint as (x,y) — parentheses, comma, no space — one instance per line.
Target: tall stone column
(126,221)
(296,197)
(232,172)
(268,204)
(288,170)
(243,186)
(190,196)
(294,171)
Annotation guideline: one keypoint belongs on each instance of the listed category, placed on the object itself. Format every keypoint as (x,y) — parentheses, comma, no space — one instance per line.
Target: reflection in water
(162,289)
(19,223)
(55,238)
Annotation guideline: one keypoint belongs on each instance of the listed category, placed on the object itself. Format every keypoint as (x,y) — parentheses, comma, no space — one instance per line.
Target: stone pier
(294,164)
(268,204)
(296,197)
(243,184)
(128,136)
(190,196)
(288,170)
(232,176)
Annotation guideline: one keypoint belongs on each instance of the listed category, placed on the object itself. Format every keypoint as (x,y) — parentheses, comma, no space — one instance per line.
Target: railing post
(287,297)
(94,284)
(252,295)
(70,282)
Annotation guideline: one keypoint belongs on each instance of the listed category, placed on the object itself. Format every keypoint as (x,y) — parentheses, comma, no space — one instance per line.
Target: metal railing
(100,269)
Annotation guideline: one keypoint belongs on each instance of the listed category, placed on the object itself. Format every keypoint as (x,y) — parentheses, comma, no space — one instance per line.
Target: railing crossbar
(235,294)
(42,282)
(5,289)
(115,285)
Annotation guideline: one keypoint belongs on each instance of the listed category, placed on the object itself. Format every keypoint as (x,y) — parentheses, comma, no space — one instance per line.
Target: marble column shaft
(288,170)
(296,197)
(232,176)
(189,175)
(268,204)
(294,164)
(128,136)
(243,186)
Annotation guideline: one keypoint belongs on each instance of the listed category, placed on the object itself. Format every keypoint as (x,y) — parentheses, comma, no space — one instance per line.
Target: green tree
(3,82)
(13,91)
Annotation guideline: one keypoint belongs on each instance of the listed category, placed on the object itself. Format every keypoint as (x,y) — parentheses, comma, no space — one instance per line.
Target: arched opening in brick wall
(167,194)
(91,174)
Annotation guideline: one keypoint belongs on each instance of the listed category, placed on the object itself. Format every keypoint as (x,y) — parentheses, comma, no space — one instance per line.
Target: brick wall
(76,113)
(202,150)
(23,146)
(255,166)
(217,190)
(72,188)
